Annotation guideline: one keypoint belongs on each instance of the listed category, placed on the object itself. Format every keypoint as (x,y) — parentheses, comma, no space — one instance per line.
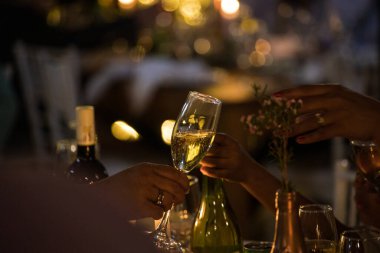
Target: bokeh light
(147,2)
(202,46)
(229,8)
(257,59)
(170,5)
(124,132)
(166,130)
(249,26)
(263,46)
(127,4)
(164,19)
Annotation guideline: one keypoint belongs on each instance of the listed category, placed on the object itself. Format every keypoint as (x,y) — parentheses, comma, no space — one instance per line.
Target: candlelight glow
(230,8)
(166,130)
(126,4)
(124,132)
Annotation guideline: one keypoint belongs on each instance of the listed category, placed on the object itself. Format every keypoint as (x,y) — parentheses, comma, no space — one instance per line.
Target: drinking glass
(360,240)
(182,216)
(319,228)
(65,154)
(192,137)
(367,159)
(257,247)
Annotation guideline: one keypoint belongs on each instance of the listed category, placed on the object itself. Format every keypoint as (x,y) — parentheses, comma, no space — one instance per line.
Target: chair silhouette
(49,80)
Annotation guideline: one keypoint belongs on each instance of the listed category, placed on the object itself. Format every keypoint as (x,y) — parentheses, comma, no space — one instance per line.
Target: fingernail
(300,139)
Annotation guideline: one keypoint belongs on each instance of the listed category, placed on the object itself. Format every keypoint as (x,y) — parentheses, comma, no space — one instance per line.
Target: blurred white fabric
(146,78)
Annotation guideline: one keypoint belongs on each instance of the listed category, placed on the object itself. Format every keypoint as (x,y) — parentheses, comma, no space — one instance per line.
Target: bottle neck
(288,232)
(212,188)
(86,152)
(286,201)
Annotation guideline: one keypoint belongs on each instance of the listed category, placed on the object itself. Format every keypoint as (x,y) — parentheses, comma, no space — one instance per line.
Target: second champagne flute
(192,137)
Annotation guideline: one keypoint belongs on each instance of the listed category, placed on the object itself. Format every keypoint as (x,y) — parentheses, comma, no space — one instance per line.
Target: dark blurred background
(136,60)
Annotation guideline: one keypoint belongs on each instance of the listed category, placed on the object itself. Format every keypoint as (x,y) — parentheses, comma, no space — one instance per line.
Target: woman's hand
(227,159)
(334,111)
(138,188)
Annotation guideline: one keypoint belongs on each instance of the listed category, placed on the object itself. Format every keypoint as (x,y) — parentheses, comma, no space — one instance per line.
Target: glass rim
(361,234)
(265,244)
(363,143)
(205,97)
(315,208)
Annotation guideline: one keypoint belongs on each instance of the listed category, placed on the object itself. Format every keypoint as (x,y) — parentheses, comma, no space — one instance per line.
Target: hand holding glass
(192,137)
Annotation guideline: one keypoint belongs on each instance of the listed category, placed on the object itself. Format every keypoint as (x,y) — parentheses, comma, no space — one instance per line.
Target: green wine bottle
(214,229)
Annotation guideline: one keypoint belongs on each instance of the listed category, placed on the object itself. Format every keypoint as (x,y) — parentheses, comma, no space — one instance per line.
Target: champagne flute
(319,228)
(360,240)
(367,159)
(192,137)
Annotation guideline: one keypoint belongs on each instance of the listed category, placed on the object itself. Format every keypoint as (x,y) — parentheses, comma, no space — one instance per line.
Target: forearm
(262,185)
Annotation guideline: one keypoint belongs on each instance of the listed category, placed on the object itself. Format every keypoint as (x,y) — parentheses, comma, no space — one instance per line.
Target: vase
(288,237)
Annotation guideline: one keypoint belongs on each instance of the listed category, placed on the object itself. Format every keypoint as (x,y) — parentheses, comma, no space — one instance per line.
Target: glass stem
(164,222)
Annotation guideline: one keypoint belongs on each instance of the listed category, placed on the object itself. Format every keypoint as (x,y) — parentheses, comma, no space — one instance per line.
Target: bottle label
(85,125)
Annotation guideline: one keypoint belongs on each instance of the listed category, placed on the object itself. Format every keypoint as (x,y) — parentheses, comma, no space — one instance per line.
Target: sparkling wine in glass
(192,137)
(319,228)
(367,159)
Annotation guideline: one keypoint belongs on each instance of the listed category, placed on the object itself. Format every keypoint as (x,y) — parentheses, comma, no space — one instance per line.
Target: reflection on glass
(367,159)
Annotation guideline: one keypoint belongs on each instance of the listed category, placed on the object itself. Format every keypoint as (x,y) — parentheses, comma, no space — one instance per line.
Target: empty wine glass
(360,240)
(65,154)
(182,215)
(319,228)
(192,137)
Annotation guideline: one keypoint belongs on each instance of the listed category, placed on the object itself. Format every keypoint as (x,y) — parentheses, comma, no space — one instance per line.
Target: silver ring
(160,198)
(320,119)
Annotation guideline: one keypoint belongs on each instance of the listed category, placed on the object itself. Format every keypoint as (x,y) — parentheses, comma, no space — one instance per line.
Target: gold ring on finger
(320,119)
(160,198)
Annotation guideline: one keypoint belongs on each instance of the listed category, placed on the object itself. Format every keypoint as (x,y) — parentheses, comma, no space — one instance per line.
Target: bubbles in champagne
(188,148)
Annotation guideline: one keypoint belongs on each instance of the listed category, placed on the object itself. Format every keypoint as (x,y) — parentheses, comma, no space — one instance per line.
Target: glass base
(164,243)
